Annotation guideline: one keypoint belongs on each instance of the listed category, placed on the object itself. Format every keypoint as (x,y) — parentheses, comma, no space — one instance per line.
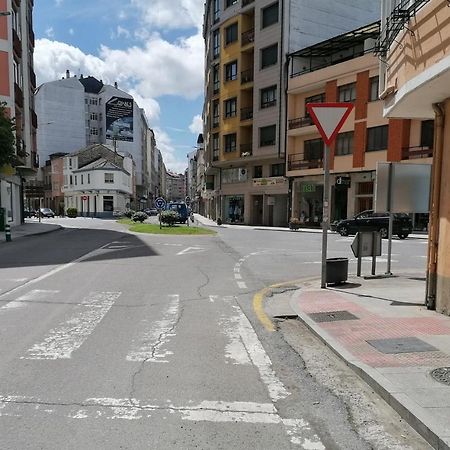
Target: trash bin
(337,270)
(2,219)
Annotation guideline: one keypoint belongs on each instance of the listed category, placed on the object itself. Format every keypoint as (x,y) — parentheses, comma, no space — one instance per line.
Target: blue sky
(152,48)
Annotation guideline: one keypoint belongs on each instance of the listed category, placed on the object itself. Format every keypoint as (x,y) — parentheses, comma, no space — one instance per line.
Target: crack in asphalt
(199,288)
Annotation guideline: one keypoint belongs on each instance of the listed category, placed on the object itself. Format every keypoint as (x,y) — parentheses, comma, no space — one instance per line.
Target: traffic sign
(329,118)
(84,197)
(187,200)
(160,203)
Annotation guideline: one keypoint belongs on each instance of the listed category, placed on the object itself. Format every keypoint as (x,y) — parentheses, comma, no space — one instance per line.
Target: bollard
(8,233)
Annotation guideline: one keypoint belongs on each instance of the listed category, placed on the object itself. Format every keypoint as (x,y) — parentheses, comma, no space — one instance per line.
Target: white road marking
(151,343)
(191,250)
(241,285)
(235,349)
(238,276)
(21,302)
(213,298)
(298,430)
(63,340)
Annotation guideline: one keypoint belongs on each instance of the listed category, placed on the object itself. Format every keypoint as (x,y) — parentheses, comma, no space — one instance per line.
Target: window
(216,79)
(347,93)
(216,43)
(89,178)
(267,135)
(374,92)
(231,34)
(94,131)
(71,180)
(230,3)
(268,96)
(216,149)
(76,180)
(216,114)
(230,143)
(270,15)
(277,170)
(94,116)
(82,179)
(313,150)
(216,10)
(109,178)
(269,56)
(344,143)
(257,172)
(93,101)
(377,138)
(231,71)
(230,107)
(427,134)
(319,98)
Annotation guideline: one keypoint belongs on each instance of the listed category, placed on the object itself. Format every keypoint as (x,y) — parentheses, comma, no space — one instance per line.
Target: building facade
(345,69)
(414,50)
(244,119)
(175,187)
(77,112)
(17,85)
(98,181)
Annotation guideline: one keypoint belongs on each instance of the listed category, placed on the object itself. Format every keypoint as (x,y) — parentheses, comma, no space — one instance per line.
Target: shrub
(72,212)
(139,217)
(169,217)
(129,213)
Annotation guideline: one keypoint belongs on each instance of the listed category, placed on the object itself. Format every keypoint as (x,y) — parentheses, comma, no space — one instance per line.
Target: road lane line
(151,343)
(63,340)
(241,285)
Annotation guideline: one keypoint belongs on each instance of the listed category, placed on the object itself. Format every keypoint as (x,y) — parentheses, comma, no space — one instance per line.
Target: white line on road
(241,285)
(238,276)
(191,250)
(151,343)
(63,340)
(35,294)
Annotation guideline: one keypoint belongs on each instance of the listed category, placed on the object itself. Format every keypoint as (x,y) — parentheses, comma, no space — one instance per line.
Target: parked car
(46,212)
(181,209)
(29,212)
(151,211)
(373,221)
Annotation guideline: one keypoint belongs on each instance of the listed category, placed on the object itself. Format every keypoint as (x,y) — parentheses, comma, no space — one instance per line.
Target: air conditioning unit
(243,171)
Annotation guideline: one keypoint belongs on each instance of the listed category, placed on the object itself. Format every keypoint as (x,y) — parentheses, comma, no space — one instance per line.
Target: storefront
(234,208)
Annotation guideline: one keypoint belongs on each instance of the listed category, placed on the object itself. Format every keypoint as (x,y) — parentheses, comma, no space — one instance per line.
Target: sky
(153,49)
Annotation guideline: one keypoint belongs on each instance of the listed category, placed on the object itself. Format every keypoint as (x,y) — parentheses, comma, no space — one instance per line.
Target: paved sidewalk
(28,229)
(382,330)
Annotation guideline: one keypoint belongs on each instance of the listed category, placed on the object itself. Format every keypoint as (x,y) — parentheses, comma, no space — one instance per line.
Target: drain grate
(442,375)
(332,316)
(401,345)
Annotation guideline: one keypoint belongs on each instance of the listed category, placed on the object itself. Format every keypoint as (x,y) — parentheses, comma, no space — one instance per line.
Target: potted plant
(294,223)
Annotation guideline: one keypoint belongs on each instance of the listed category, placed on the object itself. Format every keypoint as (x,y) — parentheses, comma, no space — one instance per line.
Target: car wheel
(402,236)
(384,232)
(343,231)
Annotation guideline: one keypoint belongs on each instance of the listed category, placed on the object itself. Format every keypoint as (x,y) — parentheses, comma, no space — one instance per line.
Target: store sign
(343,181)
(306,188)
(119,119)
(269,181)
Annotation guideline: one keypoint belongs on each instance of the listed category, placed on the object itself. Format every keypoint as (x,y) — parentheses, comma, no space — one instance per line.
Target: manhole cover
(442,375)
(401,345)
(332,316)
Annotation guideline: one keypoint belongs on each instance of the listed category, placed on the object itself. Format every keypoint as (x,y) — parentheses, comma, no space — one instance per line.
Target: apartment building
(98,181)
(245,79)
(414,50)
(175,187)
(17,84)
(75,112)
(345,69)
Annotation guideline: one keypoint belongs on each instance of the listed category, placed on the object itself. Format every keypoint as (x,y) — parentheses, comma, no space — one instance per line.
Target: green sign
(308,188)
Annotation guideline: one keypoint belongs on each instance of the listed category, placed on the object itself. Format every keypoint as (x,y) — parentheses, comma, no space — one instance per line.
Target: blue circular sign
(160,203)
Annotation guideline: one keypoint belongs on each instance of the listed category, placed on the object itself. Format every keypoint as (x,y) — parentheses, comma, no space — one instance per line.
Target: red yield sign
(84,197)
(329,118)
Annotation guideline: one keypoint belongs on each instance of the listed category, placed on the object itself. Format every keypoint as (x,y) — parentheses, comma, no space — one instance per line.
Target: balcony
(246,150)
(17,44)
(247,2)
(247,113)
(248,37)
(299,122)
(31,36)
(417,152)
(34,121)
(247,76)
(297,161)
(215,122)
(32,78)
(18,94)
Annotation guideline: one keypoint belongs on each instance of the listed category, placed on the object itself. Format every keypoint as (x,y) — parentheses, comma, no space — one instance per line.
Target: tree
(7,138)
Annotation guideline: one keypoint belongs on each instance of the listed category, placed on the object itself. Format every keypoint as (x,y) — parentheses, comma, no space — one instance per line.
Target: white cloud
(71,31)
(173,13)
(170,159)
(196,126)
(121,31)
(50,32)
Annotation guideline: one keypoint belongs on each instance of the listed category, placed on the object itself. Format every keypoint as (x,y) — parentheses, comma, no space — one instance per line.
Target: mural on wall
(119,119)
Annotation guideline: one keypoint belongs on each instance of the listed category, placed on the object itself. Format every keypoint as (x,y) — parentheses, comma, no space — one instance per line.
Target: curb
(402,404)
(58,227)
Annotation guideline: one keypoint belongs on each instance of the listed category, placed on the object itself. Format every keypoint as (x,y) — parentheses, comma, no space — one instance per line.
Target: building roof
(91,84)
(95,152)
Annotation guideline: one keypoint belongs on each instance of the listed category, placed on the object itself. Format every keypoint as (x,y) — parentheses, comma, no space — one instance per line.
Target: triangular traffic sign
(329,118)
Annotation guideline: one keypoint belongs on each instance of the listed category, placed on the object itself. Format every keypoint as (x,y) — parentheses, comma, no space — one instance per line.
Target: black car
(46,212)
(373,221)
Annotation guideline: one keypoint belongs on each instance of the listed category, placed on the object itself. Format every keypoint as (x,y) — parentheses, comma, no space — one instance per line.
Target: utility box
(2,219)
(337,270)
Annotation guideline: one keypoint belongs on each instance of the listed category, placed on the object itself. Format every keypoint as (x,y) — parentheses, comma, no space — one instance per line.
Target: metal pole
(389,208)
(374,258)
(325,213)
(358,268)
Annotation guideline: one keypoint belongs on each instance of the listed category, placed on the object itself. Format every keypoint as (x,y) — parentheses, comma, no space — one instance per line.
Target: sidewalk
(381,329)
(28,229)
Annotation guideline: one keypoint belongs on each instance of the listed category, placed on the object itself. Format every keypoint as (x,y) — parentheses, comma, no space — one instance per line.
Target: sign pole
(389,208)
(325,214)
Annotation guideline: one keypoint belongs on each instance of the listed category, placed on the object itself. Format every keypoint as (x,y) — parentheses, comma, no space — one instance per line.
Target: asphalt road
(114,340)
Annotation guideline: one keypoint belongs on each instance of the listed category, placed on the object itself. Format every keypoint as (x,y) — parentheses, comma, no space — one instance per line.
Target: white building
(76,112)
(98,181)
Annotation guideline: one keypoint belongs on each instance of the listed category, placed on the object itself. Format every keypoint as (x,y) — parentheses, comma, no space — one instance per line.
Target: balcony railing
(248,37)
(18,94)
(34,121)
(247,76)
(297,161)
(246,150)
(32,78)
(215,122)
(247,113)
(417,152)
(17,45)
(299,122)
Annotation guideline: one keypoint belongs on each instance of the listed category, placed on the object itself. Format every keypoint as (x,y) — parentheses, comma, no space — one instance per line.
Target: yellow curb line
(258,301)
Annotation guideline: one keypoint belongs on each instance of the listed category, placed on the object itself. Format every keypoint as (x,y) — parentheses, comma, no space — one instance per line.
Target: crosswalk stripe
(21,302)
(63,340)
(150,345)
